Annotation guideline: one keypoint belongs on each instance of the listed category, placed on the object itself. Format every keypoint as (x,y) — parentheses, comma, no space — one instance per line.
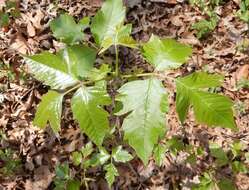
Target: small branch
(117,61)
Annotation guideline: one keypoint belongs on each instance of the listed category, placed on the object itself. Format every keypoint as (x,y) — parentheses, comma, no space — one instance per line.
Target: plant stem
(73,88)
(117,61)
(139,75)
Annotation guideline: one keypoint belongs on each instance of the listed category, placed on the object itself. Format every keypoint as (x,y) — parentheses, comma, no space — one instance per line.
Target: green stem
(139,75)
(117,61)
(73,88)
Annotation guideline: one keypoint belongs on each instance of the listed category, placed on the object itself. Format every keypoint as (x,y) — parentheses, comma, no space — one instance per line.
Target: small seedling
(63,179)
(206,26)
(10,10)
(9,163)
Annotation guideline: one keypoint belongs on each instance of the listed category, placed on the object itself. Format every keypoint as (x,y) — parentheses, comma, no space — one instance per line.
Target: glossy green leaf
(86,106)
(159,154)
(105,22)
(66,29)
(80,59)
(209,108)
(165,54)
(111,173)
(146,101)
(50,69)
(120,155)
(121,37)
(62,70)
(49,109)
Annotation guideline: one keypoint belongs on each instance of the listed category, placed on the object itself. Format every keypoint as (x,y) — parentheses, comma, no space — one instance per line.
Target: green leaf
(211,109)
(101,73)
(226,184)
(80,59)
(49,110)
(206,183)
(101,158)
(77,158)
(62,70)
(175,144)
(239,167)
(121,37)
(237,147)
(62,171)
(87,150)
(66,29)
(105,22)
(84,22)
(120,155)
(111,173)
(50,69)
(86,105)
(146,101)
(217,152)
(159,154)
(73,185)
(165,54)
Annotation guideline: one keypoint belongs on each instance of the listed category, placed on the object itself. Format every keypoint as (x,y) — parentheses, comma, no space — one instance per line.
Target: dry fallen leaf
(242,73)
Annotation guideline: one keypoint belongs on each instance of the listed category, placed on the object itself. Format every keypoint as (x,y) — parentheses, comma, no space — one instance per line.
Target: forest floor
(223,51)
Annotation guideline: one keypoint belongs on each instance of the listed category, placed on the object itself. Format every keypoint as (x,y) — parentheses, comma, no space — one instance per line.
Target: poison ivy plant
(98,90)
(10,163)
(208,182)
(8,11)
(206,25)
(63,179)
